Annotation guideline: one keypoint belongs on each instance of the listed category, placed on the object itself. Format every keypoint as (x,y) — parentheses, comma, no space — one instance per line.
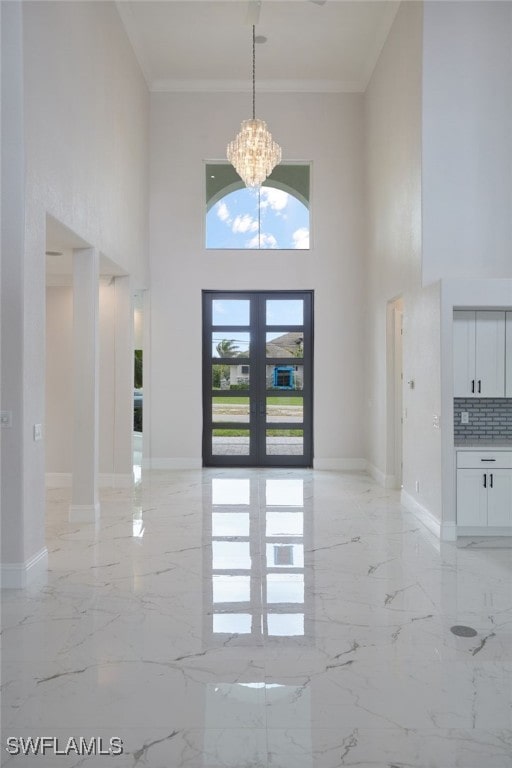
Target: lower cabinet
(484,488)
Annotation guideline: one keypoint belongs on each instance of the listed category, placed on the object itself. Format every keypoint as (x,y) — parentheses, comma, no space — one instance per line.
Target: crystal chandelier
(253,152)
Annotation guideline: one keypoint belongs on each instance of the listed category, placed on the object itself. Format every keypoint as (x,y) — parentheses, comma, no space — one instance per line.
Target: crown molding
(262,86)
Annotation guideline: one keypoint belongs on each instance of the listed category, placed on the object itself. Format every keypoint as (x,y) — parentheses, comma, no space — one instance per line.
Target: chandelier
(253,152)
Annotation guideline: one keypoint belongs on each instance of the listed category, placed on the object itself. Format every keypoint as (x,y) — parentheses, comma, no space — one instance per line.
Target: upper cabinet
(508,354)
(479,353)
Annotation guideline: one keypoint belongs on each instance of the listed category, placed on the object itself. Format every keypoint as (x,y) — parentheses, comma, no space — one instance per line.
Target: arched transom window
(275,216)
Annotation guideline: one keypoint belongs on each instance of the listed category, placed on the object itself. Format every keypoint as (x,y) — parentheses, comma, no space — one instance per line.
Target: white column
(123,388)
(85,505)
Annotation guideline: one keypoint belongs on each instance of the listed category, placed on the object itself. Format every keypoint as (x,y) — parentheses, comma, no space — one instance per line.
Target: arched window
(275,216)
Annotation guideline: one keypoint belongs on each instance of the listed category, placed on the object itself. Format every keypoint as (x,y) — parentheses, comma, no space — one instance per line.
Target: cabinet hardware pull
(485,481)
(479,385)
(487,459)
(473,386)
(491,478)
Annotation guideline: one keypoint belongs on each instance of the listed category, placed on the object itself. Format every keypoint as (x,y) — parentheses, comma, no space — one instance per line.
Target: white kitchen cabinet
(471,498)
(479,353)
(484,488)
(508,354)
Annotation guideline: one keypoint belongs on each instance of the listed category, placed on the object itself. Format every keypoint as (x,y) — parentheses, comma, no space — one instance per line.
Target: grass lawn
(245,432)
(270,400)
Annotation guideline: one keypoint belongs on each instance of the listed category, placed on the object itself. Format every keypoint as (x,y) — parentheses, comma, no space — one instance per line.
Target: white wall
(467,147)
(190,128)
(86,128)
(393,259)
(79,122)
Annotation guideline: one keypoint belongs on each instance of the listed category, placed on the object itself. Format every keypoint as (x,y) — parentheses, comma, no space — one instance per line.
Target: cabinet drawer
(484,459)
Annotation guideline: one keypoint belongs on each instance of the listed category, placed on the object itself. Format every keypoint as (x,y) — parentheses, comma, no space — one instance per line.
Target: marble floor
(259,619)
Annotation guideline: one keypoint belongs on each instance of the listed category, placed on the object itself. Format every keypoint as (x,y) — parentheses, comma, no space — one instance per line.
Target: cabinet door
(464,353)
(499,497)
(508,354)
(490,354)
(471,497)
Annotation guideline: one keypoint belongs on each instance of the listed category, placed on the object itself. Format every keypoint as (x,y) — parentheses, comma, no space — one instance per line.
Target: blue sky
(265,218)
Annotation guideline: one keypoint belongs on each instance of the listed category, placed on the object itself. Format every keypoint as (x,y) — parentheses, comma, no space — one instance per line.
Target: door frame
(395,412)
(257,392)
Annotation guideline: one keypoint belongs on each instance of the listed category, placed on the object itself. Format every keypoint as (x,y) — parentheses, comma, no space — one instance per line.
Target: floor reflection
(261,589)
(249,705)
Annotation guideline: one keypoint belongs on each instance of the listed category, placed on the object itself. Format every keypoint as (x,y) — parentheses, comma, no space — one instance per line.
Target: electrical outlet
(38,432)
(6,418)
(417,486)
(464,417)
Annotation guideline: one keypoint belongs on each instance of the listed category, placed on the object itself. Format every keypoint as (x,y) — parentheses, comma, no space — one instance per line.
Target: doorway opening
(138,383)
(258,378)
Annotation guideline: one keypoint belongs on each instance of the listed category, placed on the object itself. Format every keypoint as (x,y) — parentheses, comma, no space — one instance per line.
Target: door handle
(485,481)
(479,385)
(490,479)
(473,386)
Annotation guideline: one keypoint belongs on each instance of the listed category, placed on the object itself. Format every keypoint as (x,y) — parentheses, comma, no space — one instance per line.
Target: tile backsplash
(489,418)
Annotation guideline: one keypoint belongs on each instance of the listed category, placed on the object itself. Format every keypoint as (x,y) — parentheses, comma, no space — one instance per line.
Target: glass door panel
(231,311)
(285,442)
(230,442)
(284,311)
(287,409)
(287,345)
(230,409)
(228,344)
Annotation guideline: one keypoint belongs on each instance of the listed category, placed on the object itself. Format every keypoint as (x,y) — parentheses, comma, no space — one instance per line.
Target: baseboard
(178,463)
(21,575)
(105,480)
(422,513)
(84,513)
(477,530)
(340,465)
(387,481)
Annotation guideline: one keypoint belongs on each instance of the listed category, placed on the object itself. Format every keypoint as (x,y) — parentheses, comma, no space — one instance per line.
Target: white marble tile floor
(258,619)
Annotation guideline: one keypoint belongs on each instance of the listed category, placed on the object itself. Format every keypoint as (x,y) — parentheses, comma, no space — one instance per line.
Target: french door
(257,378)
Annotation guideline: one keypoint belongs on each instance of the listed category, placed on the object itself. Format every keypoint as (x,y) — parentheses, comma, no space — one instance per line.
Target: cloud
(223,212)
(301,238)
(244,223)
(273,198)
(262,241)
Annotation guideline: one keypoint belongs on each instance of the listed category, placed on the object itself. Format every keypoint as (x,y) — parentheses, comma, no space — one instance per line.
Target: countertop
(487,445)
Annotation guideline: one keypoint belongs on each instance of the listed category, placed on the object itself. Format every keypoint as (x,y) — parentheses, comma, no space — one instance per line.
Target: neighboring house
(279,375)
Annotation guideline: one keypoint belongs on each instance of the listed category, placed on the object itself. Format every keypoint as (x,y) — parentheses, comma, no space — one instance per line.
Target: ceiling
(206,45)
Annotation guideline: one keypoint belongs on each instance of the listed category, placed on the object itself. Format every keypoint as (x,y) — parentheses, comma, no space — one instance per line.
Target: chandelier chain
(253,152)
(253,72)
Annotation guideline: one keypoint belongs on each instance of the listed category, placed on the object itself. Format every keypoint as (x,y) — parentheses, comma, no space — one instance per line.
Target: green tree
(227,348)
